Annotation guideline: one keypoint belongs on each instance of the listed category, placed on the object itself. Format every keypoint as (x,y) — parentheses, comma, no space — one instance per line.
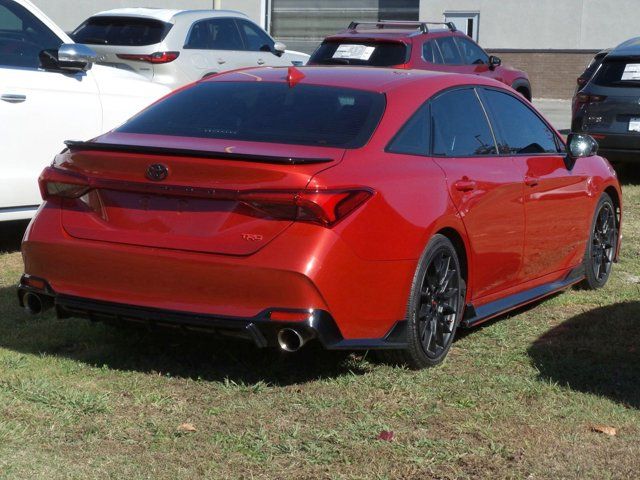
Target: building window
(466,22)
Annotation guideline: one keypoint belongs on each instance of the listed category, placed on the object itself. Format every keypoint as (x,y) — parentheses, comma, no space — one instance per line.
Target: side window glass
(255,39)
(414,136)
(215,34)
(23,36)
(460,127)
(431,52)
(449,50)
(471,53)
(518,129)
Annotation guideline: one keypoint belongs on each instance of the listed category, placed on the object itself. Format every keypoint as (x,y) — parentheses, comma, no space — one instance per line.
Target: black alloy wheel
(435,307)
(602,246)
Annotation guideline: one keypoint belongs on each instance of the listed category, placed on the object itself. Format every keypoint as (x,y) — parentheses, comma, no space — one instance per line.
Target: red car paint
(513,77)
(186,244)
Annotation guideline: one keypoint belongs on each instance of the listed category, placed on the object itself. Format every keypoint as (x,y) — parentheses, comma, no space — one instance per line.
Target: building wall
(254,9)
(552,74)
(68,14)
(546,24)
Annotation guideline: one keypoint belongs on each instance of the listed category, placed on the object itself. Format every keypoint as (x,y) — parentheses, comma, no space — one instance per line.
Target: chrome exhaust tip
(291,340)
(32,303)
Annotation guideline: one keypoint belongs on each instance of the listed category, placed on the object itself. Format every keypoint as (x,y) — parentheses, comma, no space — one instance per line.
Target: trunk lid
(195,207)
(108,56)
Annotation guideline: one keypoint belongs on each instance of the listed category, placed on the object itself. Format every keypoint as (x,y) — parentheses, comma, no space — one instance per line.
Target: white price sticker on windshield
(354,52)
(631,71)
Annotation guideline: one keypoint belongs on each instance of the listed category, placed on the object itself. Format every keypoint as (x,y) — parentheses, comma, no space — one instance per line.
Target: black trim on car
(259,329)
(74,145)
(475,315)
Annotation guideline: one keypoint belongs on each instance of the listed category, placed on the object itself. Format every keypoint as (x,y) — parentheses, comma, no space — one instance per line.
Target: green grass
(517,398)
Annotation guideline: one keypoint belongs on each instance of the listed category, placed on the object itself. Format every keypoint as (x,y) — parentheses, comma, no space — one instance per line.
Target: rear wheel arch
(523,87)
(461,249)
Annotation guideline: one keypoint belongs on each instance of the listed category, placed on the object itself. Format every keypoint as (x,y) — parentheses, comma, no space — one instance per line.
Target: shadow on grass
(11,235)
(166,352)
(595,352)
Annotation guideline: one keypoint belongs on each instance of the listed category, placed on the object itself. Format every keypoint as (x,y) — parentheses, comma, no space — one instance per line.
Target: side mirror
(581,145)
(494,62)
(279,48)
(70,57)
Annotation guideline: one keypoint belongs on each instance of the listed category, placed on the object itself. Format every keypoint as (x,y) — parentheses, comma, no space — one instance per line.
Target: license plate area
(634,124)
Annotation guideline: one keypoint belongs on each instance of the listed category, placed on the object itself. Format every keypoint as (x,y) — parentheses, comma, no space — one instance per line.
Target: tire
(602,246)
(434,309)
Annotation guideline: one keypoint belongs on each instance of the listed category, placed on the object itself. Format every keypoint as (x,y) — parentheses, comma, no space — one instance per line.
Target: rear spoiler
(74,146)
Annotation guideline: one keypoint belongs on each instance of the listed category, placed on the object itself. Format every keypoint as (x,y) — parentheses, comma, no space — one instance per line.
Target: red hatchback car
(365,208)
(418,45)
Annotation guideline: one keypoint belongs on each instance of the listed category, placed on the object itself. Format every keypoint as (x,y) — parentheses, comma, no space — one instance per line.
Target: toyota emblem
(157,172)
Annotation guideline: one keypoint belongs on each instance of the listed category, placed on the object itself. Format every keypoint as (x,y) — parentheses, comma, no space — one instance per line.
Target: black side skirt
(476,315)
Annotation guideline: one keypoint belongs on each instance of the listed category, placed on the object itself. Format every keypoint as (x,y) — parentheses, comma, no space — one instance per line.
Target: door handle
(531,181)
(260,61)
(465,185)
(13,98)
(221,61)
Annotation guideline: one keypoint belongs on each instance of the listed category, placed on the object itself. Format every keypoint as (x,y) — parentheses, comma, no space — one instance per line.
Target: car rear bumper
(618,147)
(261,329)
(305,268)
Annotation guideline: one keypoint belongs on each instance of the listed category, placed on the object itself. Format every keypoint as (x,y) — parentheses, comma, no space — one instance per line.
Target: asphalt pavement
(558,112)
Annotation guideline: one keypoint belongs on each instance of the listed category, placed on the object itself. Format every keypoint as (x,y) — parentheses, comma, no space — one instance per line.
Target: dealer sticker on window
(631,71)
(354,52)
(634,124)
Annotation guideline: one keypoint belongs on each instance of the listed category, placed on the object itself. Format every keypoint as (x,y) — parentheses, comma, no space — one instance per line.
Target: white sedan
(49,93)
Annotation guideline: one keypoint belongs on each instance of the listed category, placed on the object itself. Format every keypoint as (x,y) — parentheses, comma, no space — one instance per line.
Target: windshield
(374,54)
(619,72)
(265,112)
(121,31)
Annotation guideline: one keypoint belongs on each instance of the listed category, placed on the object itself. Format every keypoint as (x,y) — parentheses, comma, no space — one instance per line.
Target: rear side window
(460,127)
(215,34)
(518,129)
(375,54)
(431,52)
(127,31)
(449,51)
(265,112)
(414,137)
(618,73)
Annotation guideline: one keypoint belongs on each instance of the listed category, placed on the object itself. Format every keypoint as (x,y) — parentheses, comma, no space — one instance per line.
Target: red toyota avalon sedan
(361,208)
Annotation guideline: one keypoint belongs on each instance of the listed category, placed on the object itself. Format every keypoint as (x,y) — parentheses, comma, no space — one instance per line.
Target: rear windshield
(360,53)
(265,112)
(619,73)
(121,31)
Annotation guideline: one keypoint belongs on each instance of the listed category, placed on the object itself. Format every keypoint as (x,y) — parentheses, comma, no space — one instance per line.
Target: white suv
(175,47)
(48,94)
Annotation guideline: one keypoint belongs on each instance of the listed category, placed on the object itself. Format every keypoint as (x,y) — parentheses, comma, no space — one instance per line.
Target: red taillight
(323,207)
(157,57)
(582,99)
(59,183)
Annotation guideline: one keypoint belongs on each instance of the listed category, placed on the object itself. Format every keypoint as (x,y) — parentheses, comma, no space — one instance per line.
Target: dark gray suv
(608,106)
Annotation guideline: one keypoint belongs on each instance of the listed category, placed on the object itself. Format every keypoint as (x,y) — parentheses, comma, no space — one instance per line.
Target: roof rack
(422,26)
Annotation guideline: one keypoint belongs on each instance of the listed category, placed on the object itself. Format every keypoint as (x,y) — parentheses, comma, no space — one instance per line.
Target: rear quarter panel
(411,200)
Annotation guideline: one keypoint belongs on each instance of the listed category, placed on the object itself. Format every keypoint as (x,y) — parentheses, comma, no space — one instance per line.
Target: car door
(485,187)
(215,45)
(259,45)
(39,109)
(556,198)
